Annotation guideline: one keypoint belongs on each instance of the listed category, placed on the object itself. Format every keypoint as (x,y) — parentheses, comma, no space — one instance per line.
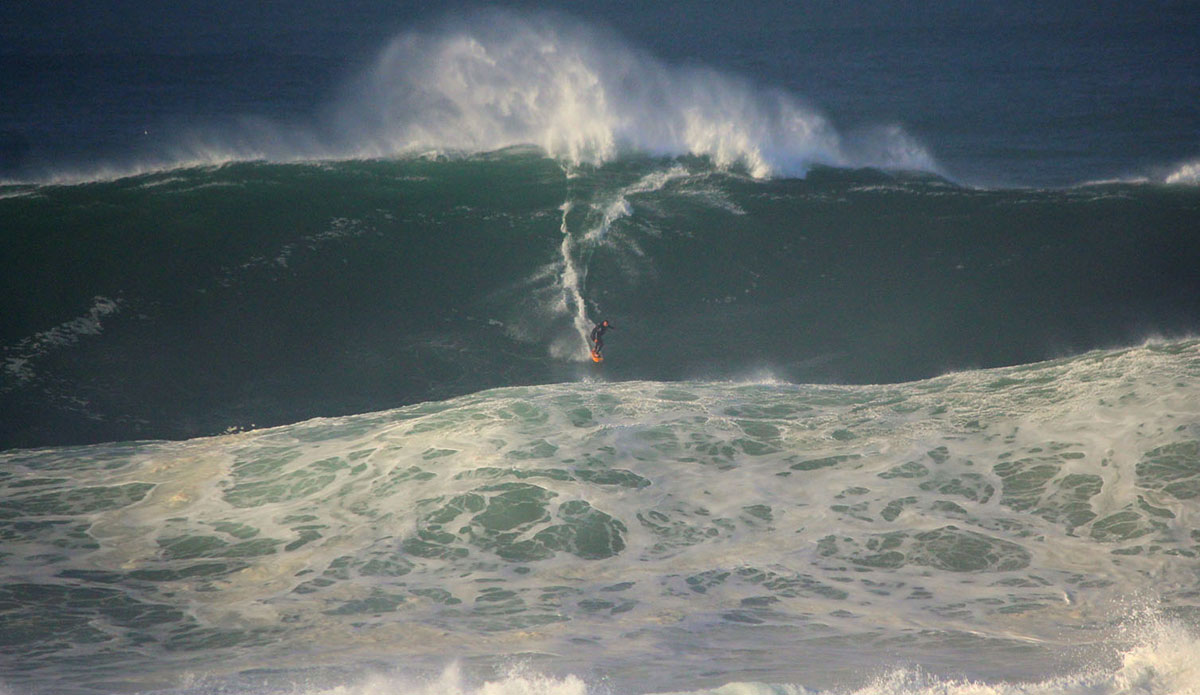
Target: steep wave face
(1033,522)
(184,303)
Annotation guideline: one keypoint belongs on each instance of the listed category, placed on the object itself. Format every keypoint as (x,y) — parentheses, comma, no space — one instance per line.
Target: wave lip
(498,79)
(584,96)
(1186,174)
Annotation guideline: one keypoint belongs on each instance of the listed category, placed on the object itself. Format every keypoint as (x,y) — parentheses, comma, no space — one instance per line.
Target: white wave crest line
(1186,174)
(519,679)
(1160,661)
(21,192)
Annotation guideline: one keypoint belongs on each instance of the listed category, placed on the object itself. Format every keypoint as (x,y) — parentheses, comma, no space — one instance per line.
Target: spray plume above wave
(496,80)
(1185,174)
(583,96)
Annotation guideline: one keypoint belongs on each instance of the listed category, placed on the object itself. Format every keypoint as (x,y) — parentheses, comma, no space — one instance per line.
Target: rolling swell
(188,302)
(1010,515)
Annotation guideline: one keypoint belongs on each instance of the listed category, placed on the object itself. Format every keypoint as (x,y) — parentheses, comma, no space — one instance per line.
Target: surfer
(598,337)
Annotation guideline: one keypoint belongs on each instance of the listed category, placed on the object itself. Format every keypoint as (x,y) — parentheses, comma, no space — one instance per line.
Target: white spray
(495,79)
(571,283)
(574,252)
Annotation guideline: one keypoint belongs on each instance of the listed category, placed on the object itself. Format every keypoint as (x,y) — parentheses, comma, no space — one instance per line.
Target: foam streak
(571,282)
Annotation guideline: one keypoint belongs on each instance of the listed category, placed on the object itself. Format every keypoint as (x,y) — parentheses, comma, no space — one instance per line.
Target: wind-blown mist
(583,96)
(579,94)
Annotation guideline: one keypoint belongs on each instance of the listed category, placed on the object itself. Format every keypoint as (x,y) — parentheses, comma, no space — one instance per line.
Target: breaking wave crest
(1186,174)
(581,95)
(1162,661)
(584,96)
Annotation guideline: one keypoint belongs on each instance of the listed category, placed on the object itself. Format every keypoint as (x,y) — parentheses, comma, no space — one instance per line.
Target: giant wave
(862,430)
(183,303)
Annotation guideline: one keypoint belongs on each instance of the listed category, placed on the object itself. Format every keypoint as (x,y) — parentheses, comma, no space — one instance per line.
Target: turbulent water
(636,537)
(295,394)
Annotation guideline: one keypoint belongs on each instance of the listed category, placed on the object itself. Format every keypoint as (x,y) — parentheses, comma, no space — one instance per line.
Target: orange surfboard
(596,357)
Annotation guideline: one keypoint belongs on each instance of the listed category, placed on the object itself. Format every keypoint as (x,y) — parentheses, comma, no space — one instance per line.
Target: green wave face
(182,303)
(1012,513)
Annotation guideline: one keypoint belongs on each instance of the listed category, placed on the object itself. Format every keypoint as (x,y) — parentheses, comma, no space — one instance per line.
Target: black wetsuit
(598,337)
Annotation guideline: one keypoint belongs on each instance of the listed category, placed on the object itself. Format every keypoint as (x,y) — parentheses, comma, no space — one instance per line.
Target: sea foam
(1162,662)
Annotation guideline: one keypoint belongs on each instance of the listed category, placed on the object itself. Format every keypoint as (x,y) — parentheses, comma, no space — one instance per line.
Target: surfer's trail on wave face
(262,294)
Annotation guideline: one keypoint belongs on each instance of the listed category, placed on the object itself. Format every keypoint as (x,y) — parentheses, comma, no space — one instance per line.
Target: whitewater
(965,533)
